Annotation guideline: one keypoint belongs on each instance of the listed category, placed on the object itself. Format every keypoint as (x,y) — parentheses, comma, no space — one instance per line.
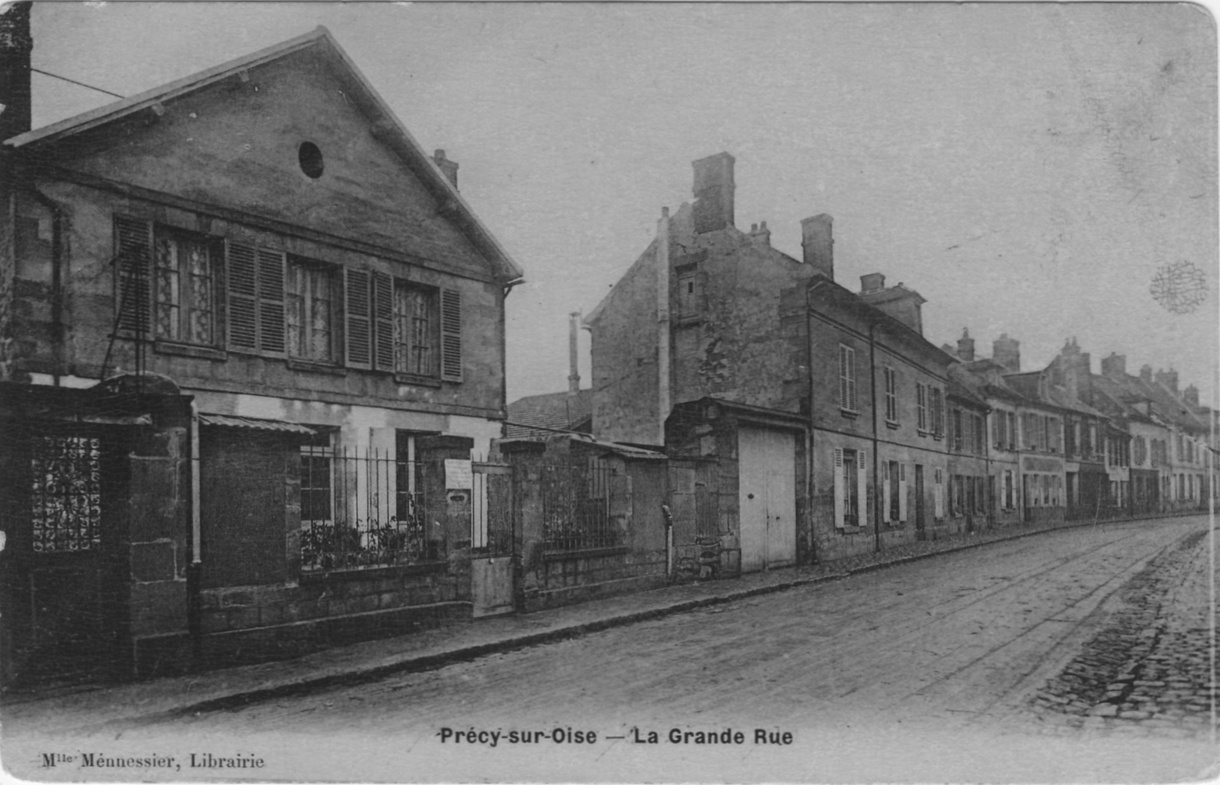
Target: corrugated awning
(250,422)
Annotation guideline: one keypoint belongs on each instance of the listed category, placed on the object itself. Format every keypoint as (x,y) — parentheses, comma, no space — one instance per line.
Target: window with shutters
(956,437)
(891,395)
(921,407)
(1011,419)
(847,378)
(980,436)
(416,330)
(312,311)
(165,282)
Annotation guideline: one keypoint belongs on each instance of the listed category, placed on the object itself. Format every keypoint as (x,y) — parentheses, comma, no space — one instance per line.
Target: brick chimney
(1191,396)
(1168,378)
(1146,373)
(759,233)
(449,168)
(817,244)
(1006,352)
(573,352)
(965,347)
(713,192)
(872,282)
(16,44)
(1114,366)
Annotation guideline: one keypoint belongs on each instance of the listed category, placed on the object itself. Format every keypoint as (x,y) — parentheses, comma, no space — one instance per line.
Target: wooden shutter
(851,379)
(271,301)
(840,495)
(241,280)
(885,491)
(902,492)
(843,377)
(451,335)
(861,487)
(383,321)
(132,274)
(939,498)
(359,325)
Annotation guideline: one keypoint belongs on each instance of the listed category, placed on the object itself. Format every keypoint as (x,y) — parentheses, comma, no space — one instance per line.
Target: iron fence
(576,505)
(364,510)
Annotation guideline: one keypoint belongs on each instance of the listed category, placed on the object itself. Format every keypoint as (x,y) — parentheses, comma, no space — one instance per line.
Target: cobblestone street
(998,663)
(1150,670)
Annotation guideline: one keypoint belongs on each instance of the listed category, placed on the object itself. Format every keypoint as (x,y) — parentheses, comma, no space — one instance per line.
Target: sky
(1026,167)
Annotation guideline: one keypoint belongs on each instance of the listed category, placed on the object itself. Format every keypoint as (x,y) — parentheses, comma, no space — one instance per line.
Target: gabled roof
(390,129)
(548,413)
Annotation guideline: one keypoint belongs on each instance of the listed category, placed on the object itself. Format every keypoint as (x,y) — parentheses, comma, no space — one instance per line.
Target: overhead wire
(75,82)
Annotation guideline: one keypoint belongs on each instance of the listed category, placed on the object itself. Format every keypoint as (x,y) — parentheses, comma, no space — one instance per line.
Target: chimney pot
(1191,396)
(817,244)
(1146,373)
(573,344)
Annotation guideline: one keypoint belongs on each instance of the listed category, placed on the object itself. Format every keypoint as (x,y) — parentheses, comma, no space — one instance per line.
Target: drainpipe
(194,612)
(663,392)
(872,374)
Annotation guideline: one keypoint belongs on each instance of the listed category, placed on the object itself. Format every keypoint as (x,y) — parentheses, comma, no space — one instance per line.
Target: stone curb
(419,663)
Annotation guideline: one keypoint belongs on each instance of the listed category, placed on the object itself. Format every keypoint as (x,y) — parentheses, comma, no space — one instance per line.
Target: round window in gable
(310,158)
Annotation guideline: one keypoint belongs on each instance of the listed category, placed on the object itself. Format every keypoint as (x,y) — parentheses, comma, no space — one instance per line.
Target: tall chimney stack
(1146,373)
(965,347)
(817,244)
(16,44)
(1006,352)
(1114,366)
(1191,396)
(1168,378)
(573,354)
(713,190)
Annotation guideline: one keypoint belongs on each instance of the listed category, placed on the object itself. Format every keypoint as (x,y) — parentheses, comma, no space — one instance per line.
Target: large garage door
(767,493)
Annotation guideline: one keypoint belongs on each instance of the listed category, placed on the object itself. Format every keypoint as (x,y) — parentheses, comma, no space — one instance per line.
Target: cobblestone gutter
(1147,672)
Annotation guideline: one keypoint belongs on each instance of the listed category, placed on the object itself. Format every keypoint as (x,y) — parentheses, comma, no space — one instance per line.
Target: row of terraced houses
(836,426)
(252,392)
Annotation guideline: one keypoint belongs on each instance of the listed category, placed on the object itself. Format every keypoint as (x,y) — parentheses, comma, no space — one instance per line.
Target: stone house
(268,237)
(710,311)
(878,419)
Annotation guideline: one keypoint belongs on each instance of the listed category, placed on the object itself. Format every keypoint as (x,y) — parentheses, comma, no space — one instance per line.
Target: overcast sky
(1026,168)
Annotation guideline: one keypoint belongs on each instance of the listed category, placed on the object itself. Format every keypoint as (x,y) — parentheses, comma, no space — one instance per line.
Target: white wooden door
(767,495)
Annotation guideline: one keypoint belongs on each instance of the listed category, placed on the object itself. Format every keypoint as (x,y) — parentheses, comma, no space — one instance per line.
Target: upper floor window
(891,395)
(847,378)
(312,311)
(415,329)
(689,294)
(921,406)
(1011,419)
(956,437)
(165,282)
(979,435)
(184,288)
(168,284)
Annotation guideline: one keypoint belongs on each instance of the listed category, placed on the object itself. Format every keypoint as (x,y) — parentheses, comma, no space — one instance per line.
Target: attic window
(310,158)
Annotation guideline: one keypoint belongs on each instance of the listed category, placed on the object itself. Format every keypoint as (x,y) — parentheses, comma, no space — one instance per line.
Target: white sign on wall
(457,475)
